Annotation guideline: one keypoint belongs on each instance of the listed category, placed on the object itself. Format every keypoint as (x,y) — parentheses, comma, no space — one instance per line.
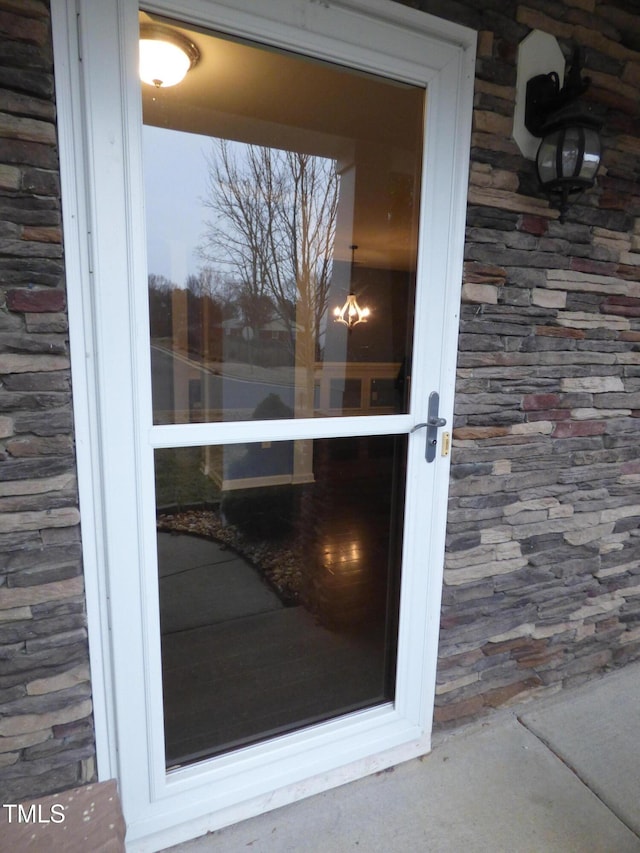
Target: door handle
(433,424)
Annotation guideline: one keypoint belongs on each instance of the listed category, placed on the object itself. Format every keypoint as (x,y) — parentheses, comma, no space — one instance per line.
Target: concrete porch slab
(495,787)
(596,732)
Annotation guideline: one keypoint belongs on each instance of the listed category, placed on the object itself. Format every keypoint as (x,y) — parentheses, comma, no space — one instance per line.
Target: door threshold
(192,829)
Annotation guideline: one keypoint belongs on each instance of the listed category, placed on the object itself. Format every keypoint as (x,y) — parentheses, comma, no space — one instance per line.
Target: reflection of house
(274,330)
(232,328)
(540,586)
(269,345)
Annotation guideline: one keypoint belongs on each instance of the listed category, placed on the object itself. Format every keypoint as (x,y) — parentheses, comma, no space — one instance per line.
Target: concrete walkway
(558,775)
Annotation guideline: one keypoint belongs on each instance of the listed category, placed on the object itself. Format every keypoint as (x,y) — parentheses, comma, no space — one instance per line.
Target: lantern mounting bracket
(545,99)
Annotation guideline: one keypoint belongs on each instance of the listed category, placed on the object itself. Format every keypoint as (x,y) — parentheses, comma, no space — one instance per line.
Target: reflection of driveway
(232,683)
(242,391)
(201,583)
(237,665)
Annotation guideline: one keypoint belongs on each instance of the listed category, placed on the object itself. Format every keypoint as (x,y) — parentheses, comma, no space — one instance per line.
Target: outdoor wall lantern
(568,156)
(351,313)
(165,55)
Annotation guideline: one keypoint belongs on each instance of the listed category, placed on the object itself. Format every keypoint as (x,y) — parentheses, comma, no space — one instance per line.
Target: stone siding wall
(46,730)
(542,570)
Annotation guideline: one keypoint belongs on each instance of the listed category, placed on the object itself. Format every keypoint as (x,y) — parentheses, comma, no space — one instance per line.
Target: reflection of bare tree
(203,284)
(160,290)
(274,229)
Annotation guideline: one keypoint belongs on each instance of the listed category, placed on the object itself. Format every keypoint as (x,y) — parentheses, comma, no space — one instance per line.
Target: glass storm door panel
(279,604)
(282,252)
(282,199)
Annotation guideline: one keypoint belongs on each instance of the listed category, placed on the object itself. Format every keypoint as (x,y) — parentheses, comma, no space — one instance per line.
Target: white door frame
(99,125)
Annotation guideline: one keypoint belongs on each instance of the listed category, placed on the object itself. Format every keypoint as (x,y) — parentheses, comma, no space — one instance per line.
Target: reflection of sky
(175,182)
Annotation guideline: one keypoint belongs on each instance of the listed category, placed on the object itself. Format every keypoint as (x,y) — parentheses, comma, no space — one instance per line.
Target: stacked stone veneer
(542,568)
(46,732)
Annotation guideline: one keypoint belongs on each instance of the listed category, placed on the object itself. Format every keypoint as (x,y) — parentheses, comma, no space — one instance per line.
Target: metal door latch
(433,424)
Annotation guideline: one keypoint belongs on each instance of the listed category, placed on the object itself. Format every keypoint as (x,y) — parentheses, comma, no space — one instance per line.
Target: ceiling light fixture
(166,55)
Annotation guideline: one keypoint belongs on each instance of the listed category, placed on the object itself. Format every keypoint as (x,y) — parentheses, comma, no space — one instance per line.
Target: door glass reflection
(278,586)
(272,221)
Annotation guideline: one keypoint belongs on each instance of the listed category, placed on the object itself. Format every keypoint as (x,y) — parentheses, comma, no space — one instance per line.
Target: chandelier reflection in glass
(351,313)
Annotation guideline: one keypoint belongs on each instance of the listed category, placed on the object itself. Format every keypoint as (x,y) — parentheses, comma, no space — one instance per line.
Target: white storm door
(271,507)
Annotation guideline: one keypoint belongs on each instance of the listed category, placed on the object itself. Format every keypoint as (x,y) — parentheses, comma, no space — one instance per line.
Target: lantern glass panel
(591,159)
(547,165)
(571,140)
(579,155)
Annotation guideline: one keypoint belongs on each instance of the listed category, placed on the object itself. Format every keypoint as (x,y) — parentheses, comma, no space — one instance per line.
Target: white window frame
(99,122)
